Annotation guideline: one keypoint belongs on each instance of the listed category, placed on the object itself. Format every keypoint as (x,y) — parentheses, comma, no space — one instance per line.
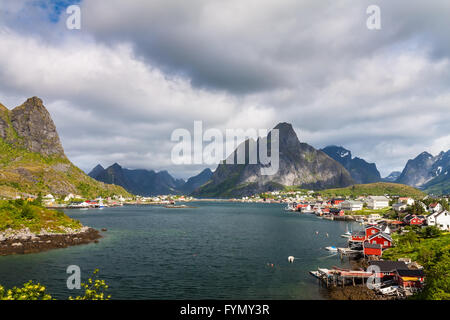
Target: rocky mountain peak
(360,170)
(288,137)
(34,128)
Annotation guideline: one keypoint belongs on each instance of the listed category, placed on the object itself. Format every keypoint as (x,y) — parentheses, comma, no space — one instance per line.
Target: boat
(331,248)
(388,290)
(290,207)
(347,234)
(315,273)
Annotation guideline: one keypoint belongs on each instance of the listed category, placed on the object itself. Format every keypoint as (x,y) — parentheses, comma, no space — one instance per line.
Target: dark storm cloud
(140,69)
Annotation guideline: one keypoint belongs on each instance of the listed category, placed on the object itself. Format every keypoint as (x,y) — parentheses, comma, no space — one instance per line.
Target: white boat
(315,273)
(290,207)
(389,290)
(331,248)
(347,234)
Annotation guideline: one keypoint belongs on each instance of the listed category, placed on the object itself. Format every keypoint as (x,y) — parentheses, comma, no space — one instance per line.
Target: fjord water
(218,250)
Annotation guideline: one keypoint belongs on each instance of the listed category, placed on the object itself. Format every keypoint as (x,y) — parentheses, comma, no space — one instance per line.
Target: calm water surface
(214,251)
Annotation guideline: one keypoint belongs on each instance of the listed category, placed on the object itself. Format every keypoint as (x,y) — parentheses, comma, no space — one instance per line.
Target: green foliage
(29,291)
(19,214)
(416,208)
(94,289)
(375,189)
(431,249)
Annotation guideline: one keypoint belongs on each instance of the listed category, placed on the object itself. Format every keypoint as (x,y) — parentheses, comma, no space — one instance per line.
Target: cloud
(140,69)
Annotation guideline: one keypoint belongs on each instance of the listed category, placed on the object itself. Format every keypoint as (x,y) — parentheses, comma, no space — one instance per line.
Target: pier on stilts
(340,277)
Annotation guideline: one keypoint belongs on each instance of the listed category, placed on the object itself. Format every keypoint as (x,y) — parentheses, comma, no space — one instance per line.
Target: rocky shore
(24,241)
(358,292)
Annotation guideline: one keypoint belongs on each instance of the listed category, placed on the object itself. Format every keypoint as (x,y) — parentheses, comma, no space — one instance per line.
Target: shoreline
(24,242)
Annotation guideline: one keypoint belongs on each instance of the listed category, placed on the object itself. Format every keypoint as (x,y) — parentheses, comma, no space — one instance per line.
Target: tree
(431,232)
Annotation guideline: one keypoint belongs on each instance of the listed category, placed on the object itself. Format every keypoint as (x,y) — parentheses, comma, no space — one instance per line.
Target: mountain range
(428,172)
(148,182)
(360,170)
(392,177)
(299,165)
(32,159)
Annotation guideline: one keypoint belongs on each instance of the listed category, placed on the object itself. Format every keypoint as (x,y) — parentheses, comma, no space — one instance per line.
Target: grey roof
(372,245)
(411,273)
(389,266)
(385,235)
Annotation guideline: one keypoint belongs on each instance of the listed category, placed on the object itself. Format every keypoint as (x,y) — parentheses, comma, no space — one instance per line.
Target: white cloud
(140,69)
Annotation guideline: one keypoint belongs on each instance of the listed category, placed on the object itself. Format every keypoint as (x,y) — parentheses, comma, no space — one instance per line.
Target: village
(380,217)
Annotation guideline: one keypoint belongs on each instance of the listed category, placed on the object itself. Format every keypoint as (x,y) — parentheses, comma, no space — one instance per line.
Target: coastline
(24,242)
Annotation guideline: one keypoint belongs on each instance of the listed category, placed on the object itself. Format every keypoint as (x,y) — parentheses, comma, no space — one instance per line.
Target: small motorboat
(331,248)
(389,290)
(315,273)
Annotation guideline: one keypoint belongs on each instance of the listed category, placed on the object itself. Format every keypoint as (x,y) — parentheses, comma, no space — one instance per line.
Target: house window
(385,243)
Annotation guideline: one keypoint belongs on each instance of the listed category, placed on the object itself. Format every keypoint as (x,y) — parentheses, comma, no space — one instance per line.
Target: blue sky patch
(55,7)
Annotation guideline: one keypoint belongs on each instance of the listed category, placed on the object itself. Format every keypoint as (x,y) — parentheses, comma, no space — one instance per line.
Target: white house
(377,202)
(69,197)
(351,205)
(407,200)
(399,207)
(48,199)
(435,207)
(440,220)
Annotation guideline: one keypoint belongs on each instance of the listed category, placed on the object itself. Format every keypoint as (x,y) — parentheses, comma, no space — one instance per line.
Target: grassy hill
(24,172)
(19,214)
(375,189)
(32,159)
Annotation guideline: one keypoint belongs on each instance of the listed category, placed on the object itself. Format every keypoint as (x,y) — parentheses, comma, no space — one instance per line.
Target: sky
(137,70)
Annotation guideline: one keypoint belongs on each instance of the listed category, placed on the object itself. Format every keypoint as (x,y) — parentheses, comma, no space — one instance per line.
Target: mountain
(139,181)
(96,171)
(440,184)
(360,170)
(197,181)
(299,165)
(417,171)
(392,177)
(32,159)
(428,172)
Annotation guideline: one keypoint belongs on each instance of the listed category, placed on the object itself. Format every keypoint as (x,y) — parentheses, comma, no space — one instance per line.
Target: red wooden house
(335,202)
(337,212)
(359,236)
(372,249)
(412,219)
(382,239)
(410,278)
(371,230)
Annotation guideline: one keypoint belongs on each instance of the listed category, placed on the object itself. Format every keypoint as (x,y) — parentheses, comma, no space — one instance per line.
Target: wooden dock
(340,277)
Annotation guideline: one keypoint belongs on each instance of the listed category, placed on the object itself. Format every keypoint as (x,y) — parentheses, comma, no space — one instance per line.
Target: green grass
(22,171)
(375,189)
(433,253)
(365,211)
(20,214)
